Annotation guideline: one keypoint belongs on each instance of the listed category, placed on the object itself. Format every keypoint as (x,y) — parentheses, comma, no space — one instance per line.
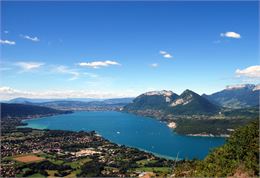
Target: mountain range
(191,103)
(238,96)
(40,100)
(188,102)
(192,113)
(76,103)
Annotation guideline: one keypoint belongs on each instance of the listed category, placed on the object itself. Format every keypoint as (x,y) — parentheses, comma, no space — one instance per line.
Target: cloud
(251,72)
(74,72)
(7,93)
(154,65)
(65,70)
(27,66)
(34,39)
(6,90)
(6,31)
(231,35)
(7,42)
(90,75)
(165,54)
(47,69)
(98,64)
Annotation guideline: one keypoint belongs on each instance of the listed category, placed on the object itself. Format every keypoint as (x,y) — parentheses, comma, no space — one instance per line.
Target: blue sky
(116,49)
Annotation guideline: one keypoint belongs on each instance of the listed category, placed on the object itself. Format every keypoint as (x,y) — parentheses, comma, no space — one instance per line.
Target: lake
(131,130)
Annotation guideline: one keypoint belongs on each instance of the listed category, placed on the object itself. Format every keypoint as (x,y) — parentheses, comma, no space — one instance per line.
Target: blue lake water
(131,130)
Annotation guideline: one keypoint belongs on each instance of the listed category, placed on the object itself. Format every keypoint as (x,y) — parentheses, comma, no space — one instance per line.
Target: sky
(120,49)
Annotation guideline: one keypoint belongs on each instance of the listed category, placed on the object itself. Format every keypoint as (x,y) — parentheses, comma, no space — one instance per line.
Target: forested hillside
(238,157)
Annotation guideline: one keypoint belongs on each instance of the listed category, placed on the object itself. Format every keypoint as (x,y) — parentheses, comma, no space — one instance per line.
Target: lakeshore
(172,125)
(209,135)
(135,131)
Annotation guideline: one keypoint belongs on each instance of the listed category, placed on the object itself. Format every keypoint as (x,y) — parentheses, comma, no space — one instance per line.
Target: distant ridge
(236,96)
(70,104)
(25,110)
(40,100)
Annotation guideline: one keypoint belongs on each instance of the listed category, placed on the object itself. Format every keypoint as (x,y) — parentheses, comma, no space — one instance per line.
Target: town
(40,153)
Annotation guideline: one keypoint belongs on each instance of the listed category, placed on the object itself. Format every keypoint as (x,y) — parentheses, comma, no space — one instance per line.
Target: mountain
(24,110)
(237,96)
(152,100)
(190,102)
(187,103)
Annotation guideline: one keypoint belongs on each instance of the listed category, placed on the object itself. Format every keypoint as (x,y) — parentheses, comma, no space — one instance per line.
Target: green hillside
(238,157)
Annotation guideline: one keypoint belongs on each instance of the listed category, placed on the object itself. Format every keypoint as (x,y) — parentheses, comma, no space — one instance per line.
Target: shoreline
(99,135)
(170,125)
(173,125)
(208,135)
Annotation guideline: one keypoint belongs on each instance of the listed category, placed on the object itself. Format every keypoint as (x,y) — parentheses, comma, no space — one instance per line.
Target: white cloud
(75,73)
(7,93)
(35,39)
(165,54)
(66,70)
(251,72)
(154,65)
(231,35)
(7,90)
(98,64)
(6,31)
(27,66)
(90,75)
(7,42)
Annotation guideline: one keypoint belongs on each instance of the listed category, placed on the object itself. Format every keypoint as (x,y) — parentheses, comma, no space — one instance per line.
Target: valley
(140,89)
(46,148)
